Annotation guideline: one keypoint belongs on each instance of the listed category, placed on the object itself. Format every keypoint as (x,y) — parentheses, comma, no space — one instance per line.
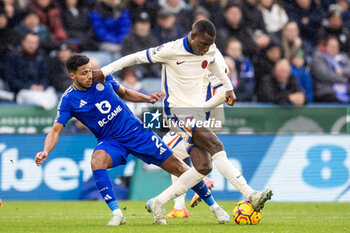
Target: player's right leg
(99,163)
(184,182)
(175,142)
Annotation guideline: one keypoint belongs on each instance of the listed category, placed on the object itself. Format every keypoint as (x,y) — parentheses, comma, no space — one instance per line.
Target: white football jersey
(182,71)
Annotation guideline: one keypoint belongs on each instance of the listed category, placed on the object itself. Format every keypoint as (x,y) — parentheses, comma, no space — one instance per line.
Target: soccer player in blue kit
(98,105)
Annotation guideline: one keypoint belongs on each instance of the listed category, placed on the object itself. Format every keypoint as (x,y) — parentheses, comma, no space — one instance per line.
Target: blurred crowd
(284,52)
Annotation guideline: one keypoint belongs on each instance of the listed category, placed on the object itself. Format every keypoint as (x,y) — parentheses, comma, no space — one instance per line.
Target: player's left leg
(206,139)
(100,162)
(179,210)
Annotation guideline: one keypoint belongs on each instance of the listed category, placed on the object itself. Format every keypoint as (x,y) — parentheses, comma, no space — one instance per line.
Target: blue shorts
(142,143)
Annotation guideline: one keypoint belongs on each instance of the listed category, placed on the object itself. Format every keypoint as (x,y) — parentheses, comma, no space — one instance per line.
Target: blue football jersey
(100,109)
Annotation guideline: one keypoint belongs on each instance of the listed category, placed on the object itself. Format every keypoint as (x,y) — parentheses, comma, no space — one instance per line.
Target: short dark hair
(75,61)
(232,4)
(204,27)
(24,36)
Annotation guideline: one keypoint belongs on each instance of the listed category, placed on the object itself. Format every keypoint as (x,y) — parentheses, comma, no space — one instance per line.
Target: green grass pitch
(81,216)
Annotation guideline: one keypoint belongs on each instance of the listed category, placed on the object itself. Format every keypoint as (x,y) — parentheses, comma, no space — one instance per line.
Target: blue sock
(104,185)
(203,191)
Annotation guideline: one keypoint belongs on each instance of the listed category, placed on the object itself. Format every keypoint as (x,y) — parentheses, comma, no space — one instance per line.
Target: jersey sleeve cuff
(228,85)
(105,71)
(149,56)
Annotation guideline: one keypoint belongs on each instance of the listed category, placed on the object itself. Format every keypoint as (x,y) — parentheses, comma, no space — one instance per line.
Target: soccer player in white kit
(213,94)
(183,69)
(213,100)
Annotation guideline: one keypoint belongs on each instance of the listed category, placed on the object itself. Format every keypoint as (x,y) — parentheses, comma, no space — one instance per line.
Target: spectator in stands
(139,39)
(216,11)
(274,15)
(181,10)
(76,22)
(13,11)
(252,16)
(111,22)
(301,74)
(49,15)
(253,19)
(234,27)
(243,66)
(135,7)
(345,4)
(308,16)
(131,80)
(7,41)
(167,29)
(31,23)
(334,26)
(291,42)
(243,93)
(267,59)
(200,13)
(330,72)
(59,76)
(281,87)
(322,4)
(27,73)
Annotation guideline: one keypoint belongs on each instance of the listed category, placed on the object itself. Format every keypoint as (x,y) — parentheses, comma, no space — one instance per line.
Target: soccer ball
(244,214)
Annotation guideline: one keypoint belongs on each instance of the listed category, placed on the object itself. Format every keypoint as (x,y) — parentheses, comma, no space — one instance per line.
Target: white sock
(212,207)
(117,212)
(186,181)
(226,169)
(179,201)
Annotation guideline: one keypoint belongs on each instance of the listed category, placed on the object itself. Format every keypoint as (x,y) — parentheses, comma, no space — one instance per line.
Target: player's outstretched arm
(129,60)
(216,100)
(50,143)
(134,96)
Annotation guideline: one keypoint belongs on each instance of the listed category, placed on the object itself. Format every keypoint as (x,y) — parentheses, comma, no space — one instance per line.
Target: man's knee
(204,169)
(174,166)
(207,140)
(217,146)
(99,161)
(179,170)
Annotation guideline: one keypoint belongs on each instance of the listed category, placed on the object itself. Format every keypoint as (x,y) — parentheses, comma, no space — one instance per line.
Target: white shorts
(176,144)
(179,138)
(183,121)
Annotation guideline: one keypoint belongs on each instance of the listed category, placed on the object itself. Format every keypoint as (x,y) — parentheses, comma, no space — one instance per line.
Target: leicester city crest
(100,87)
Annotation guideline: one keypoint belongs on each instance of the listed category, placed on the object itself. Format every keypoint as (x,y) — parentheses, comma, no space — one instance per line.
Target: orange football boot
(175,213)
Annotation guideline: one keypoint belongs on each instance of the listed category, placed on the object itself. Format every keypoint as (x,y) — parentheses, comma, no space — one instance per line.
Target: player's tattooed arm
(50,143)
(134,96)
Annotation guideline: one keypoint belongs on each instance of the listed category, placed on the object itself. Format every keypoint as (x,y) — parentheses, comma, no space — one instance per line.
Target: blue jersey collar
(186,45)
